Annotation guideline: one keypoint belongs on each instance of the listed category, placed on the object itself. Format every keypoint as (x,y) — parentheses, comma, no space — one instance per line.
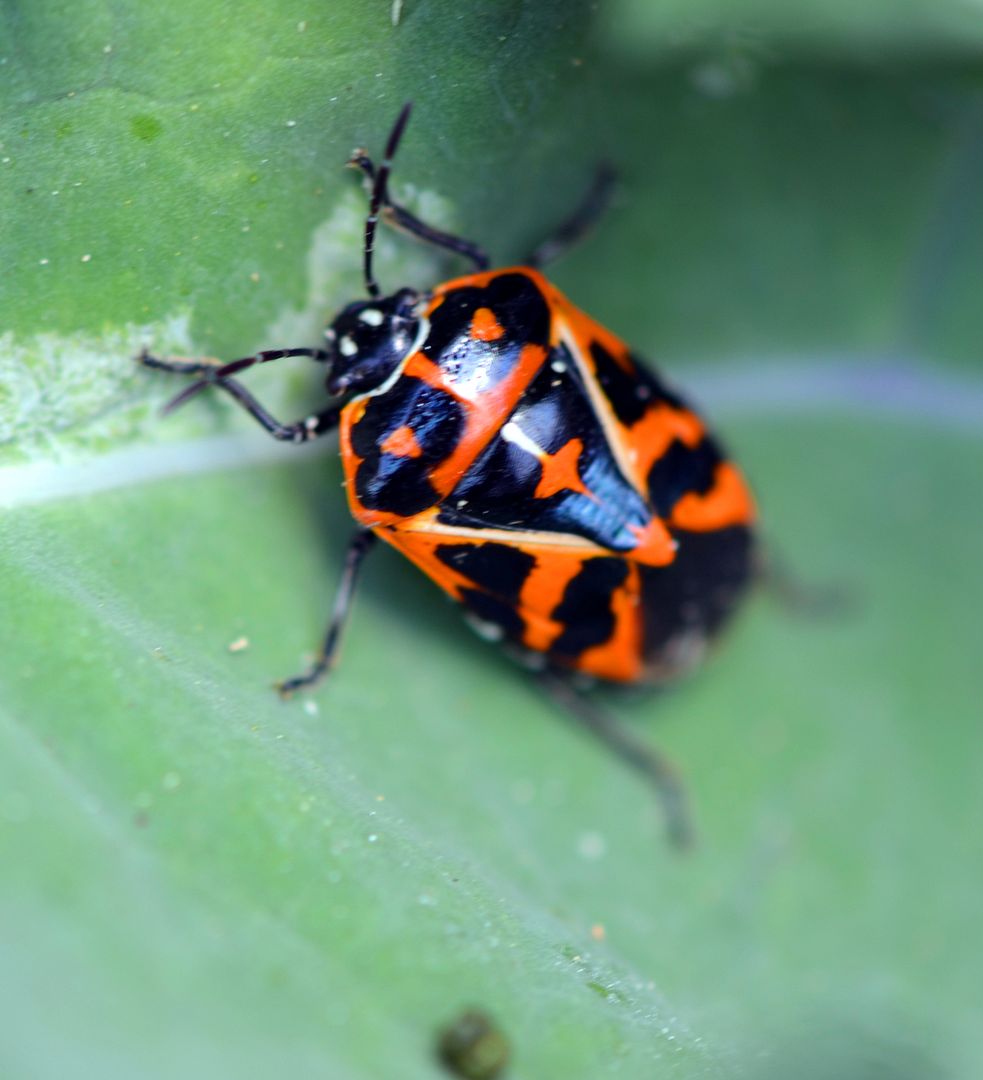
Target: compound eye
(371,316)
(347,346)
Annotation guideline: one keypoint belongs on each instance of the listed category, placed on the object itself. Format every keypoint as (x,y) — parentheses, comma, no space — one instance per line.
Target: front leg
(215,373)
(209,366)
(300,431)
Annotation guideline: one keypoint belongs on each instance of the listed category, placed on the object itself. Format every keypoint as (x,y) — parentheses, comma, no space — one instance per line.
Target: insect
(516,452)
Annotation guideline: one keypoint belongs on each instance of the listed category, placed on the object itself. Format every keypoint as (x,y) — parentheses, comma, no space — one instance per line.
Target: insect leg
(361,544)
(216,373)
(211,368)
(798,597)
(399,217)
(579,223)
(311,427)
(180,365)
(636,753)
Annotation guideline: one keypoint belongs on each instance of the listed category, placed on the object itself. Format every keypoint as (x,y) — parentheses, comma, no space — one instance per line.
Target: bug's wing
(660,442)
(687,479)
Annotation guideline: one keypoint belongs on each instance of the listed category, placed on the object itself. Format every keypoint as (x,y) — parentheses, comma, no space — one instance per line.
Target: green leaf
(793,212)
(873,29)
(198,880)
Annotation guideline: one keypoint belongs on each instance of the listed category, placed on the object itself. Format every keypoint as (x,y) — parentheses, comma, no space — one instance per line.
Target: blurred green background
(199,881)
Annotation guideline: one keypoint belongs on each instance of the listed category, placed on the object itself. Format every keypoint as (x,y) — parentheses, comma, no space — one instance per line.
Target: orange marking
(420,366)
(656,546)
(728,502)
(619,658)
(484,325)
(402,443)
(585,330)
(483,421)
(560,471)
(420,548)
(652,435)
(542,591)
(350,461)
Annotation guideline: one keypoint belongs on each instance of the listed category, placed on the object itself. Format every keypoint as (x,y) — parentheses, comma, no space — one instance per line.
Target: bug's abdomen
(597,613)
(576,605)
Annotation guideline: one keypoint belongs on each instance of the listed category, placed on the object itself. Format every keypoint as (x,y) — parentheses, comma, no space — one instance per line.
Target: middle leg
(583,219)
(399,217)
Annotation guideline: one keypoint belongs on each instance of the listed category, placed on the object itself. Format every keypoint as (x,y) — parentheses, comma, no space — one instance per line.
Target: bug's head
(368,339)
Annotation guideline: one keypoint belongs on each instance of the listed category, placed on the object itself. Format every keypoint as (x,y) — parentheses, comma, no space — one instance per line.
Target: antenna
(380,197)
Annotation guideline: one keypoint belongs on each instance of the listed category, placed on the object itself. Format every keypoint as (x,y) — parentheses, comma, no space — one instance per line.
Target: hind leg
(644,759)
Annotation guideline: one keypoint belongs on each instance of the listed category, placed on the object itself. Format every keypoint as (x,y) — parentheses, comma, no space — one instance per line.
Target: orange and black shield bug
(520,455)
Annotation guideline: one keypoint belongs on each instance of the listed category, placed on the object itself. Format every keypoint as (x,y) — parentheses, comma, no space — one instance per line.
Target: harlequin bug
(516,451)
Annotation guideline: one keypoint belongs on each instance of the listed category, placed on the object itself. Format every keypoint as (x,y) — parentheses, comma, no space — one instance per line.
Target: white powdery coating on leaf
(51,384)
(60,392)
(334,263)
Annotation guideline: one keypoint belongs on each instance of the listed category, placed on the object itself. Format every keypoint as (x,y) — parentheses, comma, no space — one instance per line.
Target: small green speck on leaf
(145,127)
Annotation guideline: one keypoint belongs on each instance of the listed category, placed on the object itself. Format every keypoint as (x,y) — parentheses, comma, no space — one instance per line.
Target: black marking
(680,471)
(619,386)
(659,391)
(631,393)
(699,589)
(490,609)
(555,407)
(520,309)
(398,484)
(585,610)
(499,569)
